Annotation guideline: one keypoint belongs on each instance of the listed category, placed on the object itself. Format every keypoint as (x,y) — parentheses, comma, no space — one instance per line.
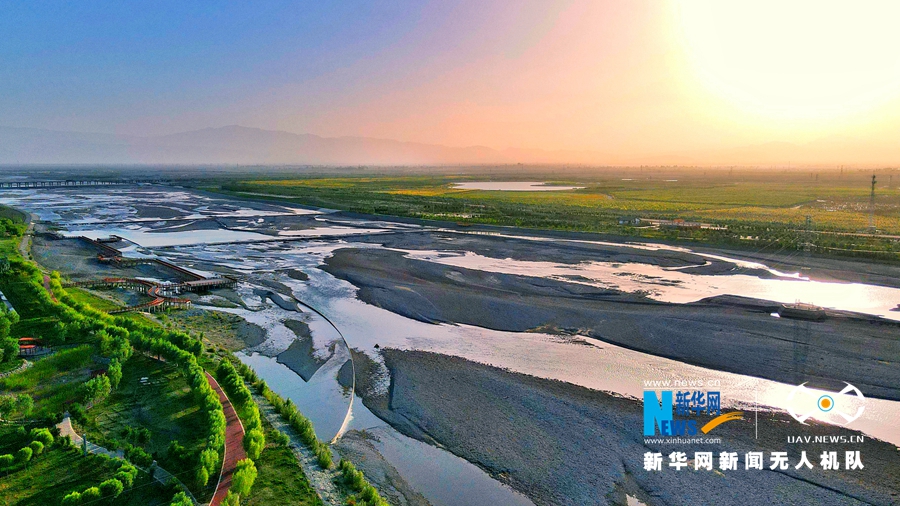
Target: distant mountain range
(252,146)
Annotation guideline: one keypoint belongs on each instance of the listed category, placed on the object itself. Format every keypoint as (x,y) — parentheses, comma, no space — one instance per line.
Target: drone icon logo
(824,404)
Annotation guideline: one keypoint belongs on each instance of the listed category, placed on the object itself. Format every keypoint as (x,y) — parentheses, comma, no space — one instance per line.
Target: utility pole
(872,206)
(808,244)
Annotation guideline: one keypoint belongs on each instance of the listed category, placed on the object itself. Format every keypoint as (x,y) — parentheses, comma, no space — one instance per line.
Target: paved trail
(234,444)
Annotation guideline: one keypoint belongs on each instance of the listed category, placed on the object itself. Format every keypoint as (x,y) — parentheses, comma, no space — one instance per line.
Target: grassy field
(760,209)
(89,298)
(161,404)
(280,481)
(220,329)
(53,381)
(43,482)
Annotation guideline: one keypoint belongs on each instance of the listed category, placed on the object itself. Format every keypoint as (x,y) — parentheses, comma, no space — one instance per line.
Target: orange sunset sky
(700,82)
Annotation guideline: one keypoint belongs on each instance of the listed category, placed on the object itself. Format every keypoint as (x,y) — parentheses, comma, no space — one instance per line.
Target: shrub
(10,404)
(111,488)
(254,442)
(281,438)
(137,455)
(244,477)
(202,476)
(6,460)
(181,499)
(231,499)
(24,455)
(42,435)
(71,499)
(323,456)
(36,447)
(90,495)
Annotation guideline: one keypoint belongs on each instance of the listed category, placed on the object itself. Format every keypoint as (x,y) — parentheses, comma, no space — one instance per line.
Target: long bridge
(70,183)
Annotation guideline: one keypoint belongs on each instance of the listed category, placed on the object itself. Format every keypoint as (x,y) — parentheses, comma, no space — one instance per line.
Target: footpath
(234,444)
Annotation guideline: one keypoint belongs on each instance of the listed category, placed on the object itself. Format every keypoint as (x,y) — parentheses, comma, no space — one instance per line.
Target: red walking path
(234,444)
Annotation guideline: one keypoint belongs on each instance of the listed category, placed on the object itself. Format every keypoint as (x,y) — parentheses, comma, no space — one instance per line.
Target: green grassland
(281,480)
(53,382)
(87,297)
(761,210)
(161,404)
(58,471)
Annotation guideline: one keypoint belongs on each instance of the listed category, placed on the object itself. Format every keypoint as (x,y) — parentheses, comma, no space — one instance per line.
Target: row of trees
(41,438)
(352,478)
(108,489)
(118,336)
(234,386)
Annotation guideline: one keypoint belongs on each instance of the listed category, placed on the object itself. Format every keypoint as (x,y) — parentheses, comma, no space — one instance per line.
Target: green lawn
(35,327)
(55,473)
(86,297)
(280,480)
(53,381)
(163,405)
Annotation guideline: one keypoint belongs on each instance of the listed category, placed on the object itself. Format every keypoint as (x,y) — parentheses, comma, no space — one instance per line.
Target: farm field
(826,211)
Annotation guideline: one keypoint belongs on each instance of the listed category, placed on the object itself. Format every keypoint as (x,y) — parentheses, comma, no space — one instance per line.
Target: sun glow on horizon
(804,60)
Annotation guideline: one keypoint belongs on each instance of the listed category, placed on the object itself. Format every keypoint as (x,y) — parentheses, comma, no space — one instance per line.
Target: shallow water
(429,470)
(513,186)
(672,285)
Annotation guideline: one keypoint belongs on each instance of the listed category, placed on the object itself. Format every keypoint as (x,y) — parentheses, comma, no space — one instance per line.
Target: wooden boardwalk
(234,444)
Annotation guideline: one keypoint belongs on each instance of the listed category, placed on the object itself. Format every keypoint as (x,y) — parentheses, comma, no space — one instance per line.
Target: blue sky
(159,67)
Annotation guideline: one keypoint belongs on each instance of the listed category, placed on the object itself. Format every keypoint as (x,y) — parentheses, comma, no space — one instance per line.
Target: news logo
(812,402)
(660,412)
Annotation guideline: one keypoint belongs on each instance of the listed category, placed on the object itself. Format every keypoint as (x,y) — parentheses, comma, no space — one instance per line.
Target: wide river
(263,242)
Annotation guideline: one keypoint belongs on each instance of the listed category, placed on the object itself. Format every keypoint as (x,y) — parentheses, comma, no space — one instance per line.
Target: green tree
(71,499)
(91,495)
(97,389)
(24,455)
(126,474)
(6,460)
(115,373)
(254,442)
(36,447)
(181,499)
(231,499)
(244,477)
(202,476)
(111,488)
(41,434)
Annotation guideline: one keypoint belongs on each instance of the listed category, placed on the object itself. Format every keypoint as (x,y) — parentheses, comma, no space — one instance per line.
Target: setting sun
(795,60)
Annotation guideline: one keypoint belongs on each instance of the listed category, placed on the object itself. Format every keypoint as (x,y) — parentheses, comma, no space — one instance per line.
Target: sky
(622,79)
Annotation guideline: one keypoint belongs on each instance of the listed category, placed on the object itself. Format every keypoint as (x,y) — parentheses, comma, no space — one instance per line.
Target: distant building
(629,220)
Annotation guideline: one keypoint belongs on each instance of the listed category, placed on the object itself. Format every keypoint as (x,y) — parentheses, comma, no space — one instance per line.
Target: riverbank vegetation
(825,212)
(130,385)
